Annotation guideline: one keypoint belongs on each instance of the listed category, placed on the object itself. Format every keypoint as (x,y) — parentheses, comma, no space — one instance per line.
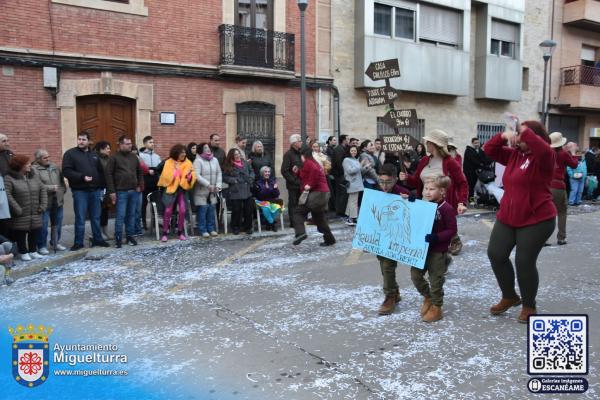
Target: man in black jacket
(292,162)
(5,154)
(82,168)
(215,147)
(123,183)
(475,159)
(337,170)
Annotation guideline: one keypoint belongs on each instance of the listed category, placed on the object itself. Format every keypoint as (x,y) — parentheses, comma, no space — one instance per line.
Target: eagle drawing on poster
(394,219)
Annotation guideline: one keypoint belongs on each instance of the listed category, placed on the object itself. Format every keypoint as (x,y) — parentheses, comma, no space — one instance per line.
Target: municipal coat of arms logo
(30,354)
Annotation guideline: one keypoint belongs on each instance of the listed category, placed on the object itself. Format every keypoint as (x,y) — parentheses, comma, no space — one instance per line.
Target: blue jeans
(126,203)
(206,218)
(576,191)
(87,203)
(55,216)
(138,214)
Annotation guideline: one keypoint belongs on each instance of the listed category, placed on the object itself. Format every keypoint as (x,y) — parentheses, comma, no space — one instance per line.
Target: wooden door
(106,118)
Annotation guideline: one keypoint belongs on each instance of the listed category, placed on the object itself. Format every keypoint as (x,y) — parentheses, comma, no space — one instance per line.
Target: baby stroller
(486,192)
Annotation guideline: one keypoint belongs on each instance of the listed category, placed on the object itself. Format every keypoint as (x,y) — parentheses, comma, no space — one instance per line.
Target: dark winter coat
(259,161)
(474,159)
(291,158)
(5,156)
(240,181)
(51,176)
(123,172)
(27,198)
(78,164)
(264,193)
(337,168)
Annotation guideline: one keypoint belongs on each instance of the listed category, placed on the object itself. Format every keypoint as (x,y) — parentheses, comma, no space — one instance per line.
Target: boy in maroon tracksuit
(444,229)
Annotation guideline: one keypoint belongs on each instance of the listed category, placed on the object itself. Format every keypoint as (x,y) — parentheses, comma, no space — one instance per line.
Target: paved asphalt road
(258,318)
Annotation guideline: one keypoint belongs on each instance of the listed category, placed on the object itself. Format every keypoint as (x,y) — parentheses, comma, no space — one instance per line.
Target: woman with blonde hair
(177,177)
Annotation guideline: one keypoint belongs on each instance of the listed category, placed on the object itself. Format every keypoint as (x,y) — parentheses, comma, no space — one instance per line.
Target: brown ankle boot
(389,305)
(525,313)
(504,305)
(425,306)
(433,314)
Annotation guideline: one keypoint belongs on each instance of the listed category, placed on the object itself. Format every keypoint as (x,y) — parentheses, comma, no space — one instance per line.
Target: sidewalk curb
(32,269)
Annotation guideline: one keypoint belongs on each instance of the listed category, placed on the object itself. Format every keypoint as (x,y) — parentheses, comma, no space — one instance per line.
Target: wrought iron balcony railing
(256,48)
(580,75)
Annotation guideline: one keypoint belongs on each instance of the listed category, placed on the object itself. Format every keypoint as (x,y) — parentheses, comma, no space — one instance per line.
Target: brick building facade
(120,63)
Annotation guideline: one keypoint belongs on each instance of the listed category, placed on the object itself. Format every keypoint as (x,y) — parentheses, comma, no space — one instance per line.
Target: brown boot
(525,313)
(425,306)
(433,314)
(504,305)
(389,304)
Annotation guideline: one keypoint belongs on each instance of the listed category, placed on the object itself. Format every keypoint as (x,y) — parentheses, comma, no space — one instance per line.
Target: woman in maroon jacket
(440,162)
(527,214)
(314,184)
(564,159)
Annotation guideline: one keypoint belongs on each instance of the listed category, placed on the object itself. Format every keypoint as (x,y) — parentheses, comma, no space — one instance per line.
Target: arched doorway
(256,121)
(106,117)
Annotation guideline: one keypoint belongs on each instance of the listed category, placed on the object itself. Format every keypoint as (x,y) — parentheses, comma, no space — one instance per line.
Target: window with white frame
(440,26)
(396,21)
(505,37)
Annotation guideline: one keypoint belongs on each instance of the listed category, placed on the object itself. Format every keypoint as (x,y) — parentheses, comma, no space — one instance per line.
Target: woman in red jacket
(564,159)
(314,185)
(440,162)
(527,214)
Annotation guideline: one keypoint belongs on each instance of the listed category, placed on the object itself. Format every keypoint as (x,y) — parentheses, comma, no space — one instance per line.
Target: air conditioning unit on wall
(595,132)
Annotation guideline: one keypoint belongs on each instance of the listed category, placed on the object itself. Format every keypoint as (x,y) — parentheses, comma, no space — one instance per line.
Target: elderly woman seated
(266,192)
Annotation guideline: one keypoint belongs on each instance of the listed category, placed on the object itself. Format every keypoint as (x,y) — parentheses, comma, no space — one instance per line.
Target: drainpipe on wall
(336,119)
(550,100)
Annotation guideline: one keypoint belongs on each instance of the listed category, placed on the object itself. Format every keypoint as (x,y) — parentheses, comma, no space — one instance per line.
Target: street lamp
(547,47)
(302,5)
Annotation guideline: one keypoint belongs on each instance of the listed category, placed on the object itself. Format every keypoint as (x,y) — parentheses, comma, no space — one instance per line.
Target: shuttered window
(588,53)
(440,25)
(505,37)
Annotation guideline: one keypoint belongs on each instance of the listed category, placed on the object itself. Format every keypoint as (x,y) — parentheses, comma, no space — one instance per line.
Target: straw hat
(438,137)
(557,140)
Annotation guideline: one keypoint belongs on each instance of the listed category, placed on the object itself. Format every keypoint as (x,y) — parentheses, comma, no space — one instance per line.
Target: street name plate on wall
(381,96)
(167,118)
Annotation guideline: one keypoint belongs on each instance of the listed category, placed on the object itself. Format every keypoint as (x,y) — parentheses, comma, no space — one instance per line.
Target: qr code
(557,344)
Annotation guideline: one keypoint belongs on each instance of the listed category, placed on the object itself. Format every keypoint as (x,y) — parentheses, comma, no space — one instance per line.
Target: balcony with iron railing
(580,86)
(584,14)
(256,52)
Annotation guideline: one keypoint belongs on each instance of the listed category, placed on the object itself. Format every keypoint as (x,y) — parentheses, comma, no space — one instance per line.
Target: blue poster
(392,227)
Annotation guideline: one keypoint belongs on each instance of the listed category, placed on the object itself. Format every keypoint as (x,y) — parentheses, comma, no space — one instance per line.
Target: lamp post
(302,5)
(547,47)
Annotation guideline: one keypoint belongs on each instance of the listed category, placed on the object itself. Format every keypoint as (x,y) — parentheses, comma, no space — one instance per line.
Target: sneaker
(214,233)
(164,238)
(60,247)
(25,257)
(76,247)
(182,237)
(35,254)
(561,242)
(348,221)
(327,243)
(131,241)
(206,235)
(118,244)
(43,251)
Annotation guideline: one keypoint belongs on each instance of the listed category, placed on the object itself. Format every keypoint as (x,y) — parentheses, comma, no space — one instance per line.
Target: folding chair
(258,215)
(158,210)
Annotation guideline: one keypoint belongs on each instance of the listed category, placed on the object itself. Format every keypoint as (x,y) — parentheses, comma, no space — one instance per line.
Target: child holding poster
(444,229)
(388,182)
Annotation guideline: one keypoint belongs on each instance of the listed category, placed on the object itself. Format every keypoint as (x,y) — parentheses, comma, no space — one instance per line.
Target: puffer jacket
(27,198)
(207,173)
(51,176)
(240,182)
